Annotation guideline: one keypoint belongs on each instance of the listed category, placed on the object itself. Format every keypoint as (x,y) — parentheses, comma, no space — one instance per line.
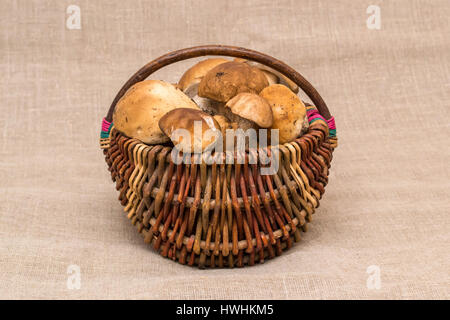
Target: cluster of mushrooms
(222,94)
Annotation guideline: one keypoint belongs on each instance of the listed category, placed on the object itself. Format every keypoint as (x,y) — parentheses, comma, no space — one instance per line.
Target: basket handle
(230,51)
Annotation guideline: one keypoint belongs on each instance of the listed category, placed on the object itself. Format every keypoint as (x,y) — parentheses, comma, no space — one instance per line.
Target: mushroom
(185,118)
(137,113)
(225,124)
(249,110)
(305,125)
(226,80)
(288,111)
(195,73)
(271,78)
(207,105)
(272,75)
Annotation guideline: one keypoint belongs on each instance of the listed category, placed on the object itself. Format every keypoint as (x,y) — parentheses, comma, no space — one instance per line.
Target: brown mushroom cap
(226,80)
(137,113)
(252,107)
(210,106)
(272,75)
(288,111)
(195,73)
(184,118)
(282,79)
(223,122)
(271,78)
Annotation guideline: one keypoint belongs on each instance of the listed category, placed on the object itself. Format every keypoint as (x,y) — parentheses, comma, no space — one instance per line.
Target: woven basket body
(220,215)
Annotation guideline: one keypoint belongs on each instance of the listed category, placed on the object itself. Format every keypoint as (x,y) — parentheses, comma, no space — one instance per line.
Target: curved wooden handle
(230,51)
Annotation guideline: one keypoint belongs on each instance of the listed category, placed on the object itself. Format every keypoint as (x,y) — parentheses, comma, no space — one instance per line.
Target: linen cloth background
(387,202)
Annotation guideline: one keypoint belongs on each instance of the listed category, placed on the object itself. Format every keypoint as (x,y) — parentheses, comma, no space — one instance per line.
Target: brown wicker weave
(220,215)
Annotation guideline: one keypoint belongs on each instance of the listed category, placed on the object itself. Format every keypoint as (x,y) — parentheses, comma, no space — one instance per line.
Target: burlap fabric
(386,207)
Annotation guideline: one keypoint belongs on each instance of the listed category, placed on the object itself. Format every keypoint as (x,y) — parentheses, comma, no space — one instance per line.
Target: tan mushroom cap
(252,107)
(282,79)
(288,111)
(223,122)
(271,78)
(228,79)
(242,60)
(138,112)
(195,73)
(210,106)
(272,75)
(184,118)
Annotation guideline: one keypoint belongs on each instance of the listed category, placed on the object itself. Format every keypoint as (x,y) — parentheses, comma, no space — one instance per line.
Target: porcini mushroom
(249,110)
(137,113)
(207,105)
(225,124)
(288,111)
(273,76)
(190,140)
(195,73)
(226,80)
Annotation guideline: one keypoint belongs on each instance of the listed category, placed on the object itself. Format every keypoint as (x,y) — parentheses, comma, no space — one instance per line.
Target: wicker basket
(220,215)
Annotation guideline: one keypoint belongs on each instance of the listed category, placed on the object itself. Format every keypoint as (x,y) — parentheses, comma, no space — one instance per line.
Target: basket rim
(324,131)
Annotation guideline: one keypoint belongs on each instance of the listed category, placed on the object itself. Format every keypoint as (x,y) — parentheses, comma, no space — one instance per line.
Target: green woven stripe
(104,134)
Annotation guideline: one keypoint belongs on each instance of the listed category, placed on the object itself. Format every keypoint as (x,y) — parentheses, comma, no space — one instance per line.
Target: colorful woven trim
(106,129)
(311,111)
(314,115)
